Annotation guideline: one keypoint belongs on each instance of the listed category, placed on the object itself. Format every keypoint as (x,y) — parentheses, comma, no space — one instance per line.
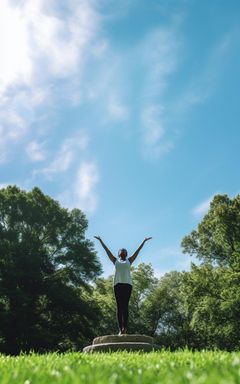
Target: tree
(217,238)
(212,300)
(165,314)
(103,295)
(46,265)
(144,282)
(213,288)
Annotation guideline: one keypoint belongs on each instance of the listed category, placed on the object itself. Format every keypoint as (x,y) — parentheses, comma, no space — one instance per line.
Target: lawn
(122,367)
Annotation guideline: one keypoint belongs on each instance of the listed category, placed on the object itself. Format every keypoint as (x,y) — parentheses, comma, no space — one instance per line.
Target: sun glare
(15,63)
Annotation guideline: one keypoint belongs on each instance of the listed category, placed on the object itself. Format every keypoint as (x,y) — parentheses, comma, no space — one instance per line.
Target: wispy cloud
(82,192)
(117,110)
(160,54)
(154,140)
(16,65)
(12,128)
(36,36)
(203,207)
(87,177)
(106,87)
(35,151)
(164,49)
(45,53)
(18,183)
(65,156)
(4,185)
(39,46)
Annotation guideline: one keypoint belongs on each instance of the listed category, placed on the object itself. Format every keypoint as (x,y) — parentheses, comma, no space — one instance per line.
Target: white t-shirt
(122,272)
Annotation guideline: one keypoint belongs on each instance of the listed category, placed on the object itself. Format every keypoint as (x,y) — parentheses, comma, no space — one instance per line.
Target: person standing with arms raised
(122,283)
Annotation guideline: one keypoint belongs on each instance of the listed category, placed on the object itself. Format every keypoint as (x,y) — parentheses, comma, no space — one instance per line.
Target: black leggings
(122,294)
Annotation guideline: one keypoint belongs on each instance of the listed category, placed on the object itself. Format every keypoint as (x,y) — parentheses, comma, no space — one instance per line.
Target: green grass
(122,367)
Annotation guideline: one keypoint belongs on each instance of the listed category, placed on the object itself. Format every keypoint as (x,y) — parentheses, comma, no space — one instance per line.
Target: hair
(124,250)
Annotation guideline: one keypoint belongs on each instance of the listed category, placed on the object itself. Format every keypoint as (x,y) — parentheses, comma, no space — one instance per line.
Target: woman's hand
(147,238)
(109,253)
(134,255)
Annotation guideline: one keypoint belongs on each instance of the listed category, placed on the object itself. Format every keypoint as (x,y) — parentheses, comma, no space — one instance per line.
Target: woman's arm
(134,255)
(109,253)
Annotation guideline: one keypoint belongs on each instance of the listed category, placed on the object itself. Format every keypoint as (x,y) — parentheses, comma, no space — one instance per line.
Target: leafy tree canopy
(212,301)
(212,290)
(45,265)
(217,237)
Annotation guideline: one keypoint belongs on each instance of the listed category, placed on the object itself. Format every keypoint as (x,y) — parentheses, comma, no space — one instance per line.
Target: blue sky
(128,110)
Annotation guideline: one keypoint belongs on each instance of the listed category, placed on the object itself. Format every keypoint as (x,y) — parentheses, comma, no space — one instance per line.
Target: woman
(122,281)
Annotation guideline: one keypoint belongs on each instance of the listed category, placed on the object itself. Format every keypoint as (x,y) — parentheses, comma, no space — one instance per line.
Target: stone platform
(112,343)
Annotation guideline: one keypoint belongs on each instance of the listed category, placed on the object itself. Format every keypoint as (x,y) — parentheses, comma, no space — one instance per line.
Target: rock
(112,343)
(123,339)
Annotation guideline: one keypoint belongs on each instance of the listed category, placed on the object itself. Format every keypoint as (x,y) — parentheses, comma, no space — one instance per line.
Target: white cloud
(37,42)
(17,114)
(82,192)
(203,207)
(4,185)
(15,63)
(86,179)
(160,53)
(154,131)
(38,46)
(106,86)
(100,48)
(18,183)
(160,57)
(35,151)
(154,141)
(116,109)
(65,156)
(12,128)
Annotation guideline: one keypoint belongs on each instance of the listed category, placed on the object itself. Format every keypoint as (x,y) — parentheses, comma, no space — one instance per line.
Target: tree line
(53,298)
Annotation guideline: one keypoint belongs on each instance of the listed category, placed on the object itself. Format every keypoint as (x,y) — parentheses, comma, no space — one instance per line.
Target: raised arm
(134,255)
(109,253)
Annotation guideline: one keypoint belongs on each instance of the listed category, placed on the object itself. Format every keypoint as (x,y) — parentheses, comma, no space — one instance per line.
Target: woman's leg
(118,291)
(126,298)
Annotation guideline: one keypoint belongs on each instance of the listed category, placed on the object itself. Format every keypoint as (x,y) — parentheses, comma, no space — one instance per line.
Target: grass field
(122,367)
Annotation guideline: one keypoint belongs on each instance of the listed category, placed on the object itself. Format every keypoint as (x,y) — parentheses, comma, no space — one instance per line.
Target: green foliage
(144,283)
(212,290)
(47,265)
(45,268)
(181,367)
(103,295)
(212,298)
(217,238)
(165,312)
